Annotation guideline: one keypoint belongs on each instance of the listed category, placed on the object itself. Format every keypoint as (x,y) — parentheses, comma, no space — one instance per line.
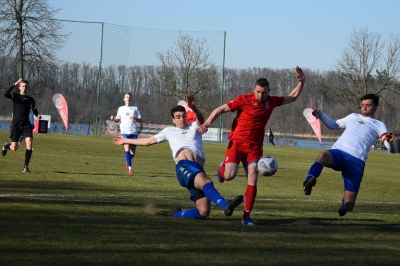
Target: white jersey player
(187,151)
(128,116)
(349,153)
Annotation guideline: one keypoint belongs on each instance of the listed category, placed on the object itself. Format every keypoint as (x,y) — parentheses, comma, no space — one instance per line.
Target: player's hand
(39,116)
(316,113)
(119,141)
(203,128)
(390,137)
(189,98)
(300,75)
(17,82)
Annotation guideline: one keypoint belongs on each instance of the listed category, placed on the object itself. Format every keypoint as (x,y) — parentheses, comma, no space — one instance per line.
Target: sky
(259,33)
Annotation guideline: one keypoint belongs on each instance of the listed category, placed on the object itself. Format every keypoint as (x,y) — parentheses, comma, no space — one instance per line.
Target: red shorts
(240,151)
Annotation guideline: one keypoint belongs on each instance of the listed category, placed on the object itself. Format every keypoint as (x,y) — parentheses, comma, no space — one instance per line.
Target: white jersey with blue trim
(179,139)
(360,134)
(127,125)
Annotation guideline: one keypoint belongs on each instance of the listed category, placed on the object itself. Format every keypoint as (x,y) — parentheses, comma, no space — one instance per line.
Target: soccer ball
(267,166)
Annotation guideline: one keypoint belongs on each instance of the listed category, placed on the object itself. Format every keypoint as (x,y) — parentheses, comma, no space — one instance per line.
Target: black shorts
(19,128)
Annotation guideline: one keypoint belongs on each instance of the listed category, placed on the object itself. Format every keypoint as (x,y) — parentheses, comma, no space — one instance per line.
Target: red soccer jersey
(252,117)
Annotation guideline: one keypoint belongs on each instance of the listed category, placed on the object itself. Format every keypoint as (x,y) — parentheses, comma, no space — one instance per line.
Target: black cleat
(25,170)
(170,212)
(307,185)
(232,204)
(341,211)
(4,150)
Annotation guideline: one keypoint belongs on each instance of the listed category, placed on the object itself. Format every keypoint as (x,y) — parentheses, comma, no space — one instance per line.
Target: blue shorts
(186,171)
(352,169)
(130,136)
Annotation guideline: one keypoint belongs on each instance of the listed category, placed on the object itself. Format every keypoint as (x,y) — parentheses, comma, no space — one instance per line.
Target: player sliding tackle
(349,153)
(187,151)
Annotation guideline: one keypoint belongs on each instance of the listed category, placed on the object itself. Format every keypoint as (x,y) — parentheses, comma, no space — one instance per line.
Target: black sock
(28,154)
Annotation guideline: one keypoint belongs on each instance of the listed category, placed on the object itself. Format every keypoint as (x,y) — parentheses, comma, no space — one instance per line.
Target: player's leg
(325,158)
(203,182)
(127,154)
(229,168)
(352,173)
(250,164)
(29,144)
(15,132)
(251,192)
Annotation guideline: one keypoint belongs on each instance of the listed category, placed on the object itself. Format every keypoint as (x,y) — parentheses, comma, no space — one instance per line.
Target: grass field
(78,206)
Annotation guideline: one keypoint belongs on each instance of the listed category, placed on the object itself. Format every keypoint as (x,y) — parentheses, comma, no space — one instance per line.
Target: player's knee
(204,213)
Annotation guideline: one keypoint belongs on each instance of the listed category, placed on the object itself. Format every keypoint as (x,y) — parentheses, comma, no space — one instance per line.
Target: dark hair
(178,108)
(262,82)
(371,96)
(130,94)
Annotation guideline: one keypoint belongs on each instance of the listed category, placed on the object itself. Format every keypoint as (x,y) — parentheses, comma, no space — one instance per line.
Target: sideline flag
(314,122)
(62,108)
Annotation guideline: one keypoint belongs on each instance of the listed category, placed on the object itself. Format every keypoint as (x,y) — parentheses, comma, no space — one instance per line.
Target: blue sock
(213,195)
(131,155)
(189,214)
(21,138)
(315,171)
(128,158)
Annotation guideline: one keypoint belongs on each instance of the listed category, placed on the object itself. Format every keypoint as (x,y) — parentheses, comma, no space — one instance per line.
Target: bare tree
(29,36)
(186,68)
(368,65)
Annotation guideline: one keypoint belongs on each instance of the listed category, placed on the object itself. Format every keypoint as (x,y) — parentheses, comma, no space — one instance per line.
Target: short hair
(178,108)
(371,96)
(130,94)
(262,82)
(23,81)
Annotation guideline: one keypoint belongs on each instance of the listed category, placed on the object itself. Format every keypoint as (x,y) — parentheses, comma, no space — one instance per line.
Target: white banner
(211,134)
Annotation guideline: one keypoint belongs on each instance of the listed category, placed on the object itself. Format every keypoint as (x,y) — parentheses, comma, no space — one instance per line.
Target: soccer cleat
(341,211)
(25,170)
(130,171)
(170,212)
(220,179)
(4,150)
(307,185)
(248,222)
(232,204)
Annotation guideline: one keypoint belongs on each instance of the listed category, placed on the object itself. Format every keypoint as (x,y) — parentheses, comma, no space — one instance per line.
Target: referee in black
(20,124)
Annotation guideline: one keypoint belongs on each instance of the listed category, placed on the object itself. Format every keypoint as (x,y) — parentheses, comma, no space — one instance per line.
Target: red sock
(249,198)
(221,171)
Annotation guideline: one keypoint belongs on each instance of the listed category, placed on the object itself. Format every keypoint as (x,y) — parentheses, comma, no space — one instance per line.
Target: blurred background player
(187,151)
(350,152)
(270,137)
(247,134)
(20,124)
(128,116)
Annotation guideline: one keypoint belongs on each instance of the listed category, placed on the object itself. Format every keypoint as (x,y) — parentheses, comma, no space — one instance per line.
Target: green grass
(80,207)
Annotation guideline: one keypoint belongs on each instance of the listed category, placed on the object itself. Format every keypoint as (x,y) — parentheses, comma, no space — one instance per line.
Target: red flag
(314,122)
(62,107)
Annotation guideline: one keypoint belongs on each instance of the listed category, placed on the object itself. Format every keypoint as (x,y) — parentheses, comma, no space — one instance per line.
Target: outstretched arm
(329,122)
(295,93)
(138,142)
(214,115)
(191,103)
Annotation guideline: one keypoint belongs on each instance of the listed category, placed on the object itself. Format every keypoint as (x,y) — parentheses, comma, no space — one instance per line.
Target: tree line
(79,85)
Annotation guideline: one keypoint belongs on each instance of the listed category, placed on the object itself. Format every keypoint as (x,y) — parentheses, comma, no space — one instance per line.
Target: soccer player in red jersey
(247,134)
